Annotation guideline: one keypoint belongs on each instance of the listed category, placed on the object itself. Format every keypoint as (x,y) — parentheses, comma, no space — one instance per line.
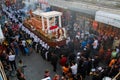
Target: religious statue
(60,34)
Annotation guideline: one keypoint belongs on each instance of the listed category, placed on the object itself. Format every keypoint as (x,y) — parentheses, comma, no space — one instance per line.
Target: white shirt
(77,36)
(74,69)
(23,42)
(11,57)
(35,39)
(95,44)
(43,44)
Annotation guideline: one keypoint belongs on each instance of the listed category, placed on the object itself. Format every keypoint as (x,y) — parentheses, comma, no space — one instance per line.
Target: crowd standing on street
(78,58)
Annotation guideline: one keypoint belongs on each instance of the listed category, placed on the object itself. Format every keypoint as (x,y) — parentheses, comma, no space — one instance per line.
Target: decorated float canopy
(51,14)
(46,14)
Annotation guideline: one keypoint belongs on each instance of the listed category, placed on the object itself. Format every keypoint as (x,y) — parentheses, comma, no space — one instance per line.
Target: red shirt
(63,61)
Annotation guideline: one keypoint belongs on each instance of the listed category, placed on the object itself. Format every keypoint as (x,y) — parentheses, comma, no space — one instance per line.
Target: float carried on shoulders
(47,26)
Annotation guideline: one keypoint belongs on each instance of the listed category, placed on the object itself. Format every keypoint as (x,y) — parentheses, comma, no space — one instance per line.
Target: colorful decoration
(53,27)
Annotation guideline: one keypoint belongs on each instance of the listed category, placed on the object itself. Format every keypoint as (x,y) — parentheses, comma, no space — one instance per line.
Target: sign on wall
(108,18)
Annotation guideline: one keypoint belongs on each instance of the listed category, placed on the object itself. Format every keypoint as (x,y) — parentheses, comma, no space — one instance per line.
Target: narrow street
(36,66)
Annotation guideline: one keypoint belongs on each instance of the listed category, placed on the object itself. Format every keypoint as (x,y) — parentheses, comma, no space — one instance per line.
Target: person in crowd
(76,44)
(112,62)
(83,67)
(63,60)
(56,77)
(114,53)
(96,61)
(71,57)
(11,59)
(108,55)
(38,47)
(89,67)
(116,42)
(101,53)
(83,44)
(63,78)
(27,52)
(21,47)
(20,75)
(54,60)
(95,46)
(65,70)
(21,66)
(3,56)
(46,73)
(71,46)
(29,44)
(114,70)
(87,51)
(73,68)
(117,50)
(16,48)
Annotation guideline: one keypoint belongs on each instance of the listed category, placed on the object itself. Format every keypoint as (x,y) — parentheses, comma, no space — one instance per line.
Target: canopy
(47,14)
(109,18)
(1,35)
(51,14)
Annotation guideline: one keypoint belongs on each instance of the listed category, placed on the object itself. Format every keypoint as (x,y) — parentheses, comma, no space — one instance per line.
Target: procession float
(47,26)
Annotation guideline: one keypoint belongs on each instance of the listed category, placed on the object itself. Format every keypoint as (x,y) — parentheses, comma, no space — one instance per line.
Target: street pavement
(36,66)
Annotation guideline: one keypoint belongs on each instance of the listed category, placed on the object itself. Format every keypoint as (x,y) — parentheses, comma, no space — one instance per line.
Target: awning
(108,18)
(51,14)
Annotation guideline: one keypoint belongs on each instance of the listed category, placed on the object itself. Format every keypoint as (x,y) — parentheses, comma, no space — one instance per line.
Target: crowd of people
(78,58)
